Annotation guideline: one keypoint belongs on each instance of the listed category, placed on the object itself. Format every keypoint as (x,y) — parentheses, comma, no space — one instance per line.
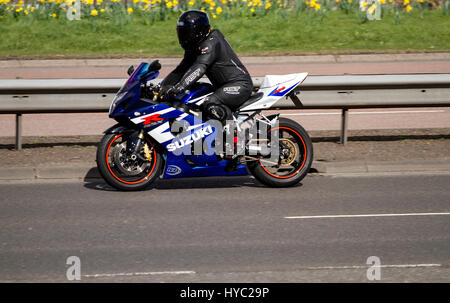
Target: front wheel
(293,160)
(123,171)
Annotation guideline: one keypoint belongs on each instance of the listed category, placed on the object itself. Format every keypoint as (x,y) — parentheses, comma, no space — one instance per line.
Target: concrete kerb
(89,171)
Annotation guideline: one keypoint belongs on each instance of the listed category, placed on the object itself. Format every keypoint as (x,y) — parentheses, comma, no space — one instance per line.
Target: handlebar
(153,92)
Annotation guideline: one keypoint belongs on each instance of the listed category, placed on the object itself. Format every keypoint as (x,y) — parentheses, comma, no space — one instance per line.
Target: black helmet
(192,28)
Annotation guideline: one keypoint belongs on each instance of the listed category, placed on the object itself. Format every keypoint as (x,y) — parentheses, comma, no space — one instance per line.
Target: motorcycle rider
(208,52)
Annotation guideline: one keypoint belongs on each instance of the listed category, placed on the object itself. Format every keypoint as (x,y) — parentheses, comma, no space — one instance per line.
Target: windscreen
(138,72)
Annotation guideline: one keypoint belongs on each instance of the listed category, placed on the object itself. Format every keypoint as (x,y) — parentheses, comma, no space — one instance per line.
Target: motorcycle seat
(253,98)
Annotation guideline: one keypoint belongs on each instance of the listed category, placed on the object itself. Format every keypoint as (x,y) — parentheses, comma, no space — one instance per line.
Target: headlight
(114,101)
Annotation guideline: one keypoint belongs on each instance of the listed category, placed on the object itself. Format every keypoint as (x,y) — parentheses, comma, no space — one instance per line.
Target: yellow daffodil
(405,2)
(53,15)
(169,4)
(408,8)
(130,10)
(94,12)
(252,10)
(219,10)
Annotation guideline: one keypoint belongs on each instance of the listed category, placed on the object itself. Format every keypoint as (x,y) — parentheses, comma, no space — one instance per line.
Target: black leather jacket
(215,58)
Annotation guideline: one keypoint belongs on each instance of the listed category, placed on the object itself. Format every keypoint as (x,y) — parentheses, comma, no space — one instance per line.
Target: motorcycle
(156,137)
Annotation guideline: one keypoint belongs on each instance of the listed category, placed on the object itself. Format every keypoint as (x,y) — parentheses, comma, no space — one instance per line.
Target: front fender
(118,129)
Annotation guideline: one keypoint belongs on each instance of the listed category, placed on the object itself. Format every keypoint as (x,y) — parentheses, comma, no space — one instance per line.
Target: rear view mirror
(130,70)
(155,66)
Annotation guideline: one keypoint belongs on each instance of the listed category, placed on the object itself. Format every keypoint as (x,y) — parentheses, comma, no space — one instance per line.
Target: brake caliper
(148,152)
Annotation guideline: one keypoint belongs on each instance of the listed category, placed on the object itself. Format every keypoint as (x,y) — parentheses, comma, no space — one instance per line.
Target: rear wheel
(293,161)
(121,169)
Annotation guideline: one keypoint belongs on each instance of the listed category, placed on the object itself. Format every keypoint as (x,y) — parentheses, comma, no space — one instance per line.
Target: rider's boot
(232,164)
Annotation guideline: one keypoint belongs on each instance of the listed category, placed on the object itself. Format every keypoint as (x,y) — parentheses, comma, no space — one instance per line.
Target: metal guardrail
(316,92)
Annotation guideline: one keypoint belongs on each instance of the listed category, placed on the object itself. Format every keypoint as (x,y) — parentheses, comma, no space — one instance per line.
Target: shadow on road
(187,183)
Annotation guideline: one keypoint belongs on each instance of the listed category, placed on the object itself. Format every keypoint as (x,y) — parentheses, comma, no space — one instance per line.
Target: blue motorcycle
(162,138)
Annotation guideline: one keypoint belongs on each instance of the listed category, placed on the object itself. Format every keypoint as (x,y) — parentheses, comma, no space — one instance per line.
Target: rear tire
(119,172)
(299,150)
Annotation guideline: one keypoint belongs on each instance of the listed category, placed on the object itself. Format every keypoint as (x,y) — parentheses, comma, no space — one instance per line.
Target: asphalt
(233,229)
(228,230)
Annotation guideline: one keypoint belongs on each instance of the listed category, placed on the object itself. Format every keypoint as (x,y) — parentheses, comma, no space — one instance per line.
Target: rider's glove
(163,91)
(147,92)
(167,92)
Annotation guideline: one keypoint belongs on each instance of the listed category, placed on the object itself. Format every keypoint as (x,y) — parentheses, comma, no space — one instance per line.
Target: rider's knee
(214,109)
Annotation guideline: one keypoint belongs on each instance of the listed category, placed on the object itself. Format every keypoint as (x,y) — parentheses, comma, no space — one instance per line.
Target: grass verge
(272,34)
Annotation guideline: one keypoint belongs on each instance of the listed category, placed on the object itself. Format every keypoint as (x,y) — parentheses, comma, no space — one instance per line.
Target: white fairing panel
(274,88)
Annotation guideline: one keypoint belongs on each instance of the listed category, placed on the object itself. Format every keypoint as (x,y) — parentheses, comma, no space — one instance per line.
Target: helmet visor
(187,36)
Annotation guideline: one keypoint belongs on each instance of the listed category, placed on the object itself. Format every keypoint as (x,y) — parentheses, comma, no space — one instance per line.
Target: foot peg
(232,165)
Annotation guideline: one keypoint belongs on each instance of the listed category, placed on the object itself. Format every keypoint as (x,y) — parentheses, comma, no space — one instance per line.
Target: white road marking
(368,215)
(302,268)
(381,266)
(369,113)
(151,273)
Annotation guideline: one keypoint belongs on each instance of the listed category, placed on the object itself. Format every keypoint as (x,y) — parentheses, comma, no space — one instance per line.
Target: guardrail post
(18,131)
(344,125)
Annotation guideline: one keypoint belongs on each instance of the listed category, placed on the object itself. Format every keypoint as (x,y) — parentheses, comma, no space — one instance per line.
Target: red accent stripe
(279,90)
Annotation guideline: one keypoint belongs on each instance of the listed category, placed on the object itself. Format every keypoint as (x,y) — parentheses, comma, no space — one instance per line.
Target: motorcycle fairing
(275,87)
(156,120)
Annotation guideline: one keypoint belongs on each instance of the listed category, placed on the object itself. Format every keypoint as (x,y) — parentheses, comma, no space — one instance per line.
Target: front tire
(121,172)
(294,161)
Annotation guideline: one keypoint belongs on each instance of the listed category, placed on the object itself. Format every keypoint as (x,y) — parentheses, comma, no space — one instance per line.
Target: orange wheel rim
(129,182)
(304,158)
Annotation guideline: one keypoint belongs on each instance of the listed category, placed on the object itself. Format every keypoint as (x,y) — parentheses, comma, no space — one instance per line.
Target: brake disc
(292,152)
(124,164)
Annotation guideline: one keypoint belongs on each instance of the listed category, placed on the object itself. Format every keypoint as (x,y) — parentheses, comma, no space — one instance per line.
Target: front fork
(134,148)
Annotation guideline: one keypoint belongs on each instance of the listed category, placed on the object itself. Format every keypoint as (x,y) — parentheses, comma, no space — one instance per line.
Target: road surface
(229,230)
